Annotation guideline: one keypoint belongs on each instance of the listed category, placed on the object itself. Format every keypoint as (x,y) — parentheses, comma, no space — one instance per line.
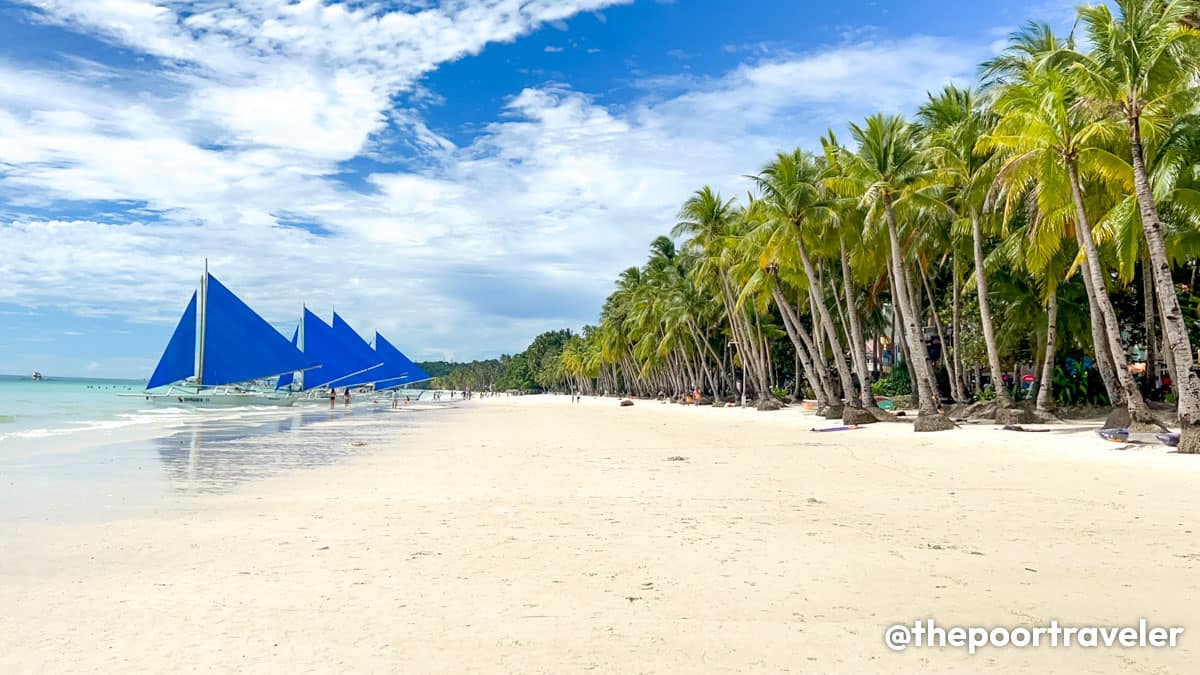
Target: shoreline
(532,534)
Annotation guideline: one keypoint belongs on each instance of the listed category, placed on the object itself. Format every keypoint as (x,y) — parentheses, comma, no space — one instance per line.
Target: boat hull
(214,399)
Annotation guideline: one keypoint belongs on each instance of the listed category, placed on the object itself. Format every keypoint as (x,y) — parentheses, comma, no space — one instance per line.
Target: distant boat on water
(37,377)
(223,353)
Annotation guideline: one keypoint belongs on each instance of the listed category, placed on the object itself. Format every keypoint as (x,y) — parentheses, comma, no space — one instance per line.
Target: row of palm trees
(1065,163)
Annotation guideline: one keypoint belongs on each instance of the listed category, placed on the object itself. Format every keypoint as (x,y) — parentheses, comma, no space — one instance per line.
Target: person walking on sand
(395,399)
(332,398)
(346,397)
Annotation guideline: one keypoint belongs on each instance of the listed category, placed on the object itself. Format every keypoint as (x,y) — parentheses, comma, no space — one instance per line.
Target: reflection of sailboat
(217,455)
(238,352)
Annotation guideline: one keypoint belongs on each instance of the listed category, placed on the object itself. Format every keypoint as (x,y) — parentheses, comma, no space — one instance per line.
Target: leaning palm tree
(710,222)
(794,196)
(955,126)
(889,173)
(1143,65)
(770,245)
(1048,141)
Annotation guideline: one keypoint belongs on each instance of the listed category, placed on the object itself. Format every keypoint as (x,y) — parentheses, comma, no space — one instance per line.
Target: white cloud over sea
(227,138)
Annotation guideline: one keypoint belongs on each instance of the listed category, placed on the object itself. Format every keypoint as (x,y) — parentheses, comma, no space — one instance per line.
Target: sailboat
(408,372)
(238,353)
(340,351)
(396,370)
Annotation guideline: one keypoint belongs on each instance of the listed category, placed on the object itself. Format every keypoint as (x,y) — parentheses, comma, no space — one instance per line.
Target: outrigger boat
(340,351)
(355,364)
(397,369)
(238,355)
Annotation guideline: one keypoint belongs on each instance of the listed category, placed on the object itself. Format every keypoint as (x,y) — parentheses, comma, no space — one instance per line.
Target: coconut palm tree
(1048,141)
(888,173)
(794,196)
(770,244)
(1142,65)
(954,125)
(710,223)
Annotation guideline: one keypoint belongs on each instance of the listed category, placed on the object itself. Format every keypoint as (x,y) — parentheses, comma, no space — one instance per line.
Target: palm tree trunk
(1045,396)
(959,383)
(1188,384)
(858,345)
(1139,415)
(1165,348)
(937,324)
(817,299)
(1180,354)
(900,352)
(1104,363)
(818,361)
(736,317)
(934,421)
(1148,302)
(919,315)
(791,324)
(1003,400)
(796,368)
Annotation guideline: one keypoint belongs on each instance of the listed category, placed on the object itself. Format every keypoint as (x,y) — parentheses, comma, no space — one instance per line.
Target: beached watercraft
(348,361)
(1115,435)
(223,354)
(336,347)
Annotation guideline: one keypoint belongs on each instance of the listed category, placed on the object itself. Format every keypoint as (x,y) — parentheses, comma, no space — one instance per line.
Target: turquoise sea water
(73,448)
(29,408)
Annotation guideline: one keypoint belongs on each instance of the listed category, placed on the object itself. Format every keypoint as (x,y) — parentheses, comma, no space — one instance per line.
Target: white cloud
(520,231)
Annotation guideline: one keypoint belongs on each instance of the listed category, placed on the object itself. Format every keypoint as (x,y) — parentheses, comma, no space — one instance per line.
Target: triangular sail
(412,373)
(286,379)
(364,360)
(240,345)
(390,369)
(339,358)
(178,361)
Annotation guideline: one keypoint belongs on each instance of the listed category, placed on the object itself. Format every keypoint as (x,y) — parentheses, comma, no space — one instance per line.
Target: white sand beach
(533,535)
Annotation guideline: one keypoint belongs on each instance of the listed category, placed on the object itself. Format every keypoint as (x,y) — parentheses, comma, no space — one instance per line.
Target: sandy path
(530,535)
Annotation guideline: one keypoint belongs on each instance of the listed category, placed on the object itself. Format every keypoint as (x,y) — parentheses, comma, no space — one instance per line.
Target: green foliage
(898,383)
(538,368)
(1075,385)
(985,394)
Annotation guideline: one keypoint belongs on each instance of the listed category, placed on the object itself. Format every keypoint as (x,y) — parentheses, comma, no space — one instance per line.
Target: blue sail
(239,345)
(396,359)
(286,379)
(358,353)
(390,369)
(178,361)
(338,357)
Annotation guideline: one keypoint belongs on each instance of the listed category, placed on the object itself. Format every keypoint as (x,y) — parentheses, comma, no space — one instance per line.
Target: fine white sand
(533,535)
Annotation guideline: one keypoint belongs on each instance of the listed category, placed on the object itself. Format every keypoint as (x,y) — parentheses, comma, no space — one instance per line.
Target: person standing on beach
(332,397)
(395,399)
(346,397)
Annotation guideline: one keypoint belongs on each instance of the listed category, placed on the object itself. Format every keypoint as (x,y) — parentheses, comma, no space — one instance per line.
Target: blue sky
(459,175)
